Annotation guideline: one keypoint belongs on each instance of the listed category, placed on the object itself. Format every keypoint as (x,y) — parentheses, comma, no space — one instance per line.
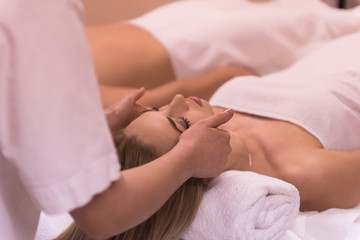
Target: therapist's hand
(208,147)
(125,110)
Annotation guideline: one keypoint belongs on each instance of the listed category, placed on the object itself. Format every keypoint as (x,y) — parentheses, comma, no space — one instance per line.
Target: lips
(196,100)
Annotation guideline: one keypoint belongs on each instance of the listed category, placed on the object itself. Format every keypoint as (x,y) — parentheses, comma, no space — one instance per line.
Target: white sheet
(201,35)
(333,224)
(50,226)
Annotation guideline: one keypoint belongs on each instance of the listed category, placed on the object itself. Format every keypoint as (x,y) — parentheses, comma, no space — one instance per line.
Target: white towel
(237,205)
(245,205)
(323,85)
(201,35)
(51,226)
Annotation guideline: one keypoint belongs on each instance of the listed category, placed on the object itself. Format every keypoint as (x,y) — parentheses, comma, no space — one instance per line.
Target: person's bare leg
(128,56)
(202,86)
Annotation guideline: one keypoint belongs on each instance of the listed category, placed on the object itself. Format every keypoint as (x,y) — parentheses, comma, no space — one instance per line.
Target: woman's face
(162,127)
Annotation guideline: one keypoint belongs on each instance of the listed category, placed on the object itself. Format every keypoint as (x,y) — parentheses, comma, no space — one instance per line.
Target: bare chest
(272,143)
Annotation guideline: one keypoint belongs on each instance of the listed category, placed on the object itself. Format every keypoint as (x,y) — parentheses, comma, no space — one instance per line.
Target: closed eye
(184,122)
(173,124)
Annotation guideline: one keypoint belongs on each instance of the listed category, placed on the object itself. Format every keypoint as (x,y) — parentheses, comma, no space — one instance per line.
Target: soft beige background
(107,11)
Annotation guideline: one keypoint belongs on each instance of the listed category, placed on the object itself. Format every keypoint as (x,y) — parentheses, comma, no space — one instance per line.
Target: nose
(178,104)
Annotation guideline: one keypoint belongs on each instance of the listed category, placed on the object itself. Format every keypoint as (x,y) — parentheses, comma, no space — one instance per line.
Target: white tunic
(56,151)
(201,35)
(320,93)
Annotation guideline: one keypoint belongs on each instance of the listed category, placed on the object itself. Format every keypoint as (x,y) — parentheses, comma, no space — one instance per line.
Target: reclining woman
(300,125)
(205,43)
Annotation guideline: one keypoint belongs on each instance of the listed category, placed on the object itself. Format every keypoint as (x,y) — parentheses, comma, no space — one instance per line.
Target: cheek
(163,141)
(158,134)
(165,144)
(208,107)
(205,112)
(194,118)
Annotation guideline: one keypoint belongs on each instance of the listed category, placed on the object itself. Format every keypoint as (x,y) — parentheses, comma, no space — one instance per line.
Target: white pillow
(245,205)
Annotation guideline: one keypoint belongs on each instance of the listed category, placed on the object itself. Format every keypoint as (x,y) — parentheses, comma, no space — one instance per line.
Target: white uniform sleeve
(52,126)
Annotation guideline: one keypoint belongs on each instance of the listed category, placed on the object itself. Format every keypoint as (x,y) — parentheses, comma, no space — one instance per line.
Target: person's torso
(273,144)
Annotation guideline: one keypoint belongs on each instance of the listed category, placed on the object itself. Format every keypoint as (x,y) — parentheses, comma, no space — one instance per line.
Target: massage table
(291,42)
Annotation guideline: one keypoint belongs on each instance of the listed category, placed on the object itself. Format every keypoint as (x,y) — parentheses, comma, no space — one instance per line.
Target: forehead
(155,129)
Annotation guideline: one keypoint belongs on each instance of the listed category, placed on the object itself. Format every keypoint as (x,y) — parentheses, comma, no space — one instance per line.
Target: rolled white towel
(237,205)
(245,205)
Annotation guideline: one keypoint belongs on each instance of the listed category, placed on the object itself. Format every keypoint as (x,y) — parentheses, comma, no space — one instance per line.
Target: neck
(240,157)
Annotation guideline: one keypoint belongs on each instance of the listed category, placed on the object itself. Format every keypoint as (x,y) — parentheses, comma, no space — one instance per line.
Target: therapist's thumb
(219,118)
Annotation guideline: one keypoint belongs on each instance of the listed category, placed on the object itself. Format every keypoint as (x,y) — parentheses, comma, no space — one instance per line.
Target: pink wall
(105,11)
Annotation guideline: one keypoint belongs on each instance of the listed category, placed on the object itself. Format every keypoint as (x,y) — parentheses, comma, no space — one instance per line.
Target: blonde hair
(172,219)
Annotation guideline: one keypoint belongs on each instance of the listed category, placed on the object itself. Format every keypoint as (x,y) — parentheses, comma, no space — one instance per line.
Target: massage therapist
(56,150)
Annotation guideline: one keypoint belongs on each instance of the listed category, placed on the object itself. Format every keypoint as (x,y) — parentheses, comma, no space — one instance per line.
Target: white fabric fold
(51,226)
(321,86)
(245,205)
(201,35)
(332,224)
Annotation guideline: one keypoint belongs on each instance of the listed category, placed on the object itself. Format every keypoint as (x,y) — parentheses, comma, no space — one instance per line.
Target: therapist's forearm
(138,194)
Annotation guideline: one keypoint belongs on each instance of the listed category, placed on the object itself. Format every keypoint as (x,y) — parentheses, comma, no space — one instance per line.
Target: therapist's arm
(202,152)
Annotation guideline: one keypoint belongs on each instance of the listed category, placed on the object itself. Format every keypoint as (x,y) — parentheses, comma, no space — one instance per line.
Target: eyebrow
(172,122)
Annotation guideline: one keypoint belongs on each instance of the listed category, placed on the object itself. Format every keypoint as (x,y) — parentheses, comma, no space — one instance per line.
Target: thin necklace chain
(248,151)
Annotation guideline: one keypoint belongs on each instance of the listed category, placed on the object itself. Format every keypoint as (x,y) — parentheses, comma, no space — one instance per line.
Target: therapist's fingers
(137,94)
(127,101)
(129,105)
(125,110)
(218,119)
(137,111)
(208,146)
